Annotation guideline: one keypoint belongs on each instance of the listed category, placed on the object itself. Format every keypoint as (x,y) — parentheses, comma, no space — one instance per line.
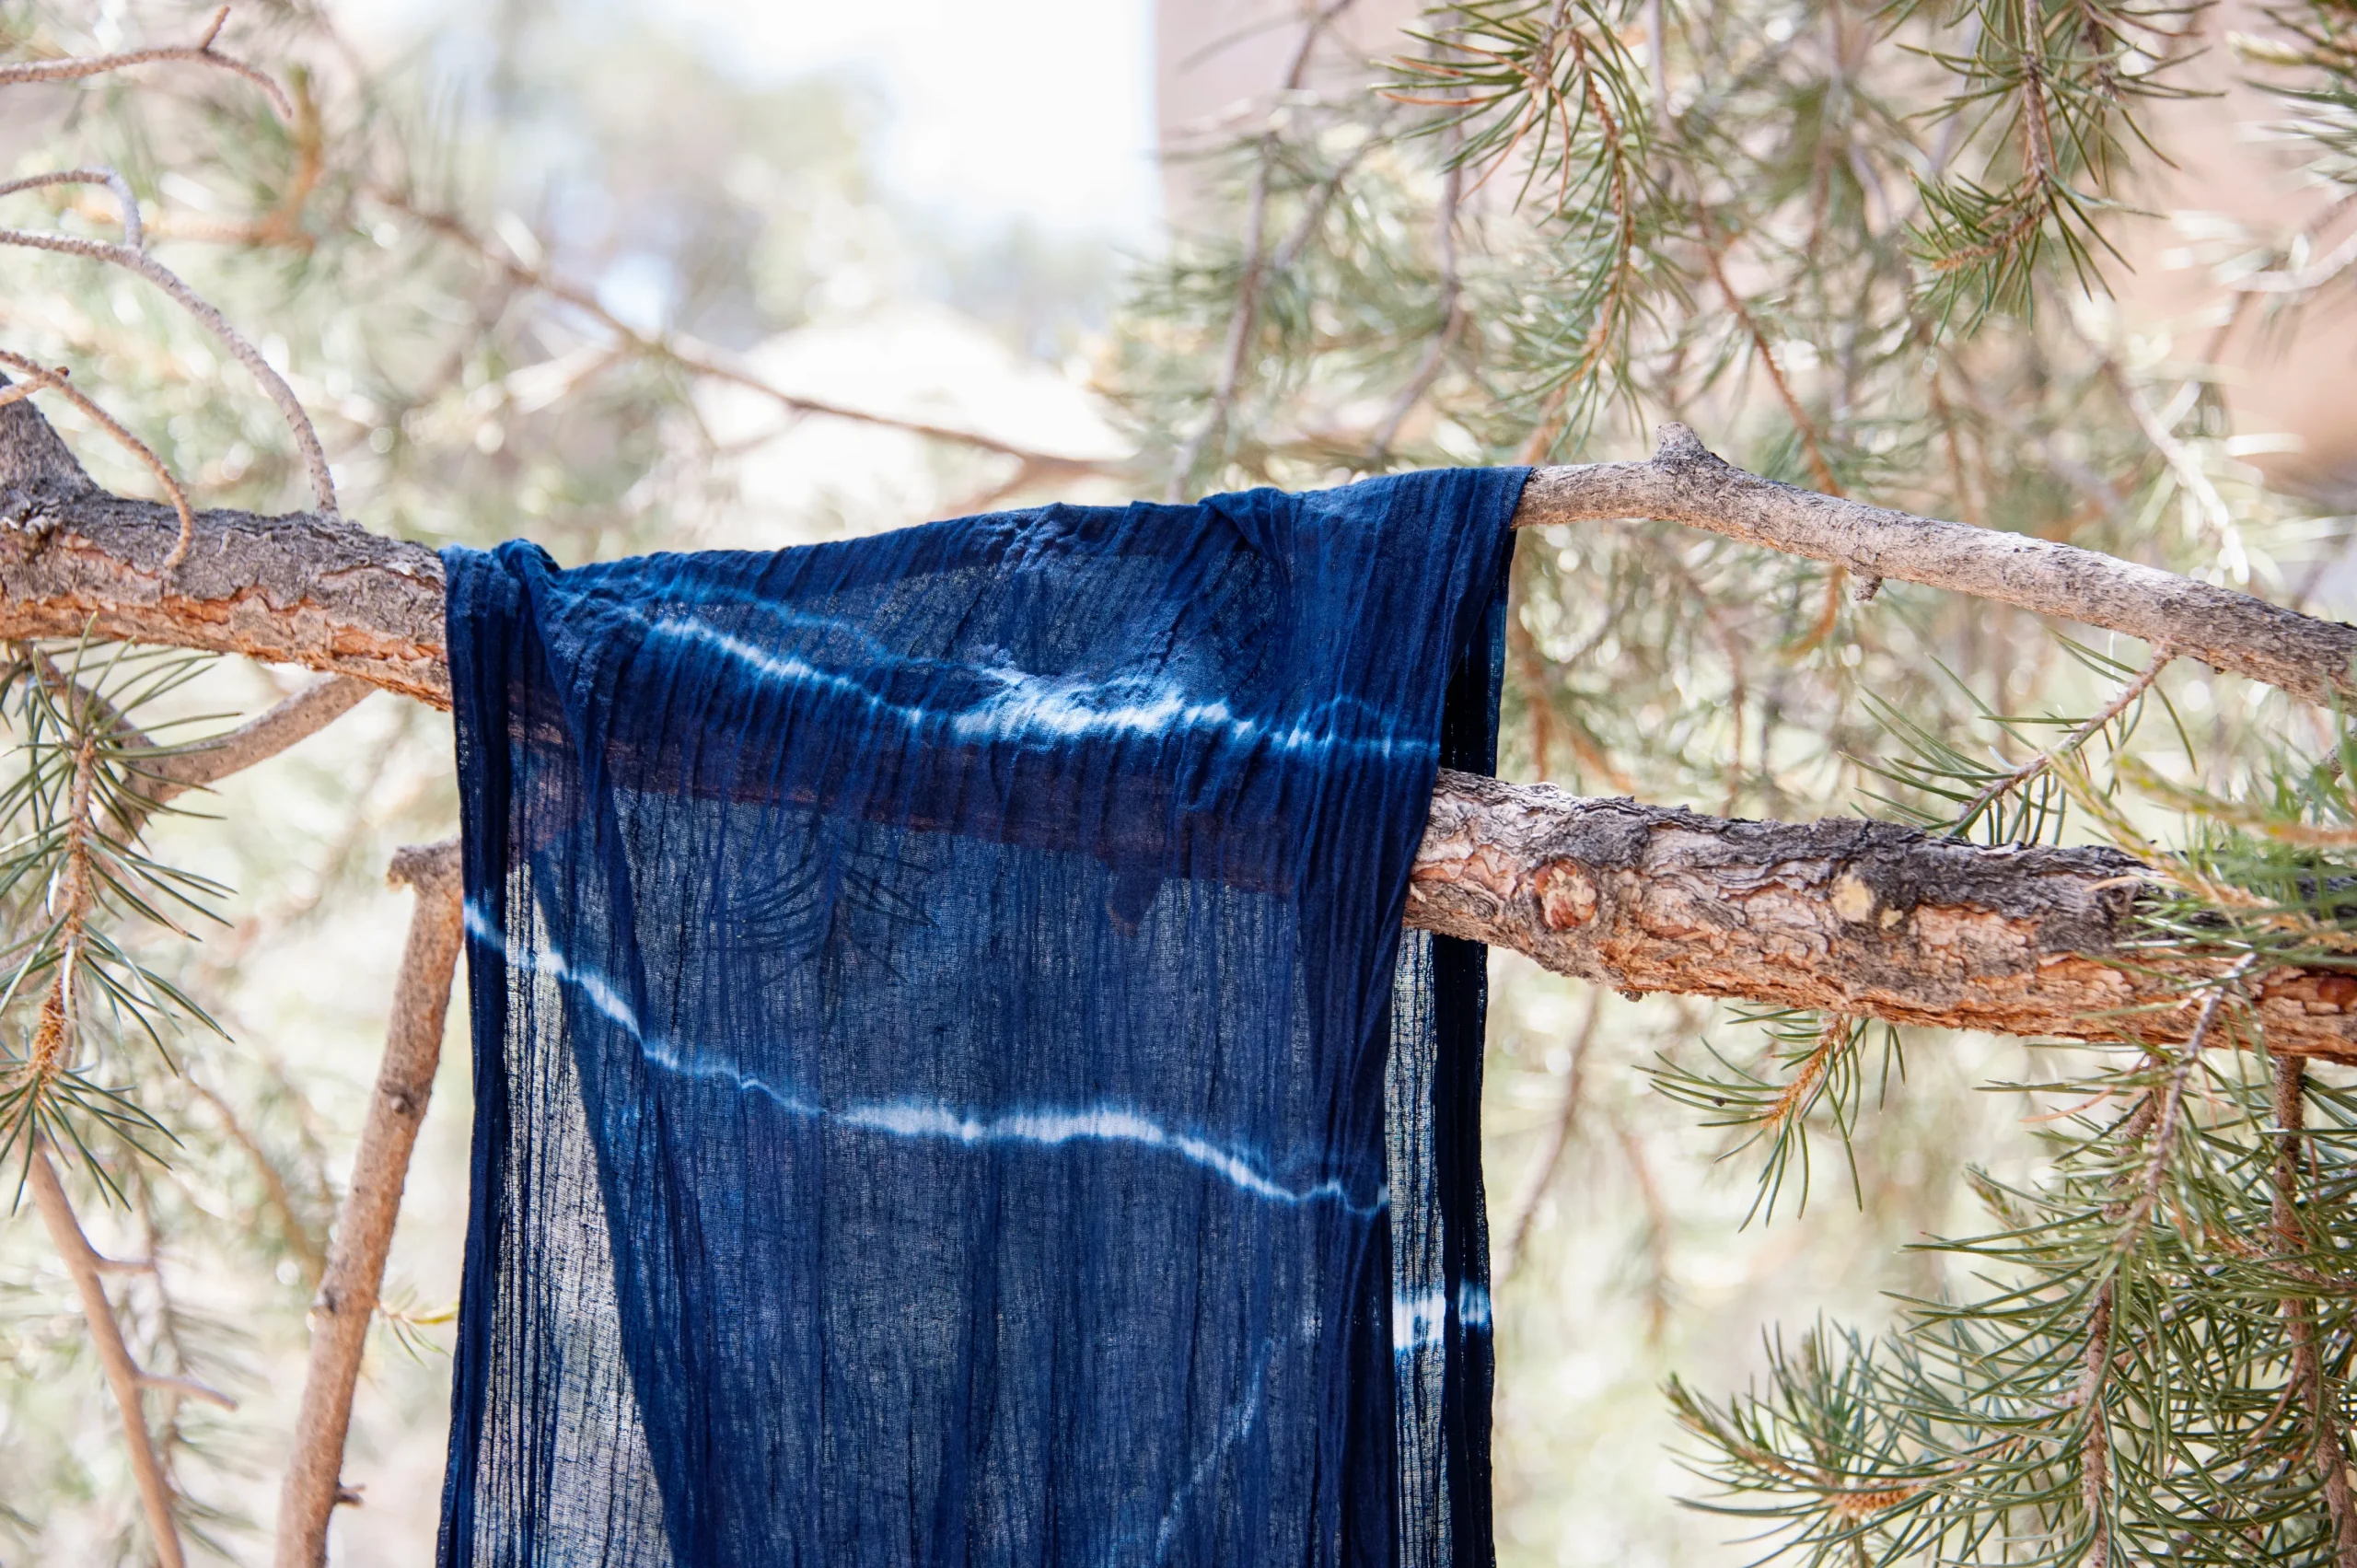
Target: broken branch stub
(349,1288)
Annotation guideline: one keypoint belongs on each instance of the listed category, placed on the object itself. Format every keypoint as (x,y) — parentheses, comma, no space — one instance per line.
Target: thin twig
(1821,471)
(704,359)
(1656,1237)
(2095,1457)
(188,1388)
(130,258)
(2136,688)
(2155,1120)
(133,235)
(54,381)
(1539,1175)
(310,1251)
(2313,276)
(348,1291)
(1452,313)
(2030,207)
(294,718)
(2077,474)
(122,1374)
(1244,320)
(2182,462)
(2328,1449)
(201,53)
(2160,1120)
(1836,1037)
(283,223)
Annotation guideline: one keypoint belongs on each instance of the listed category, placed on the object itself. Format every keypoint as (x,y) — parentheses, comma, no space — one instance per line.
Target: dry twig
(2328,1444)
(704,359)
(1244,322)
(2161,656)
(1452,310)
(132,256)
(201,53)
(124,1377)
(41,376)
(364,1233)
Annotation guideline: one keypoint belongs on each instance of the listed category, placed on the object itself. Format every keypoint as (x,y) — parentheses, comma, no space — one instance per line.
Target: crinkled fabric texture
(951,1086)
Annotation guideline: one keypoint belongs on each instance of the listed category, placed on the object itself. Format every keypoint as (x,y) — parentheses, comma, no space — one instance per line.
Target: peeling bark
(1846,916)
(297,589)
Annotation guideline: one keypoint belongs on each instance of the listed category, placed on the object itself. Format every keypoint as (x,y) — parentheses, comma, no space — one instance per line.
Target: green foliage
(1813,1079)
(2150,1366)
(418,249)
(1863,249)
(73,872)
(1866,251)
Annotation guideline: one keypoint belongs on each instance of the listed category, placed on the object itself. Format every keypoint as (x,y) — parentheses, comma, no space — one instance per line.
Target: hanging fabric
(951,1086)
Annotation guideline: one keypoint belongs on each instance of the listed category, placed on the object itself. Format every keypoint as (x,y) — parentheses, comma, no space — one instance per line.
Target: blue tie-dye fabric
(951,1086)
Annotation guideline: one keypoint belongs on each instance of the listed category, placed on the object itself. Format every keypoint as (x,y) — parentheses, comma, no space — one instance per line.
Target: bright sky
(1039,106)
(1044,106)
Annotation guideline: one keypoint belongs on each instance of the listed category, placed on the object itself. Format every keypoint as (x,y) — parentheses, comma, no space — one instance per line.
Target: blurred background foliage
(566,270)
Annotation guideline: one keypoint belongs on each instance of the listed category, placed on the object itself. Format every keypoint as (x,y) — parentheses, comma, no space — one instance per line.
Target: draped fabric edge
(1456,971)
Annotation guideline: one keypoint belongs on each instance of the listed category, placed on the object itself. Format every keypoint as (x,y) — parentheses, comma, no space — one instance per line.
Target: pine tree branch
(1684,482)
(703,359)
(2310,1384)
(1961,936)
(201,53)
(1847,916)
(294,718)
(124,1377)
(364,1234)
(1244,320)
(2161,657)
(41,378)
(2095,1453)
(1451,300)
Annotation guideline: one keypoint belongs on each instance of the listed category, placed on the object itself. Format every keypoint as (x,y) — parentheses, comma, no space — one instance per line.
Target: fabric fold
(951,1084)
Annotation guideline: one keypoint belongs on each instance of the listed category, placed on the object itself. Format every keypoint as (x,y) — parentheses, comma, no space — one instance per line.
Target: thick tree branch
(1684,482)
(1958,936)
(298,590)
(1845,916)
(364,1233)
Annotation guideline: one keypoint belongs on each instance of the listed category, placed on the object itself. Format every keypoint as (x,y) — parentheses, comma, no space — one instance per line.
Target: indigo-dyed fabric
(951,1087)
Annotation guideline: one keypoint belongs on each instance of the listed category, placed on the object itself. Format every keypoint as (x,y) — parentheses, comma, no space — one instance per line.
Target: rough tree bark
(1950,934)
(1684,482)
(1845,916)
(364,1233)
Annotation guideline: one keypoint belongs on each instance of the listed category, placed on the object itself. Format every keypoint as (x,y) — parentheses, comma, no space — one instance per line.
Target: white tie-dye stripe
(1422,1319)
(1418,1320)
(1045,708)
(1045,1127)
